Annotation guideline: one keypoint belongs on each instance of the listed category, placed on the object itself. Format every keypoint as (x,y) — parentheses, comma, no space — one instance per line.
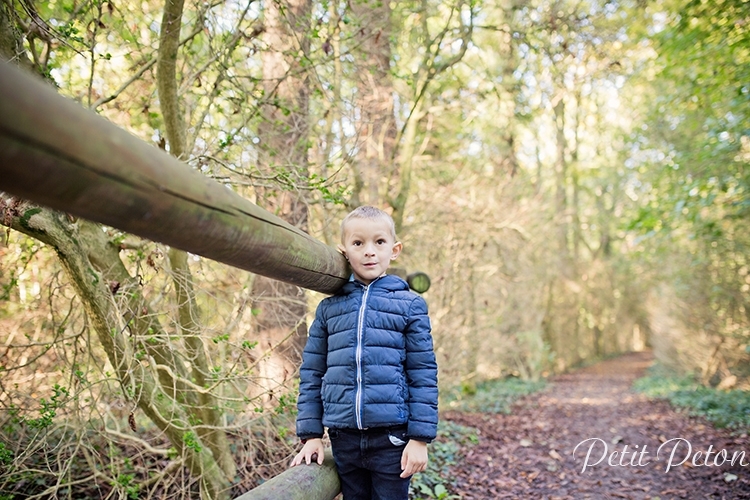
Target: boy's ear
(397,247)
(341,249)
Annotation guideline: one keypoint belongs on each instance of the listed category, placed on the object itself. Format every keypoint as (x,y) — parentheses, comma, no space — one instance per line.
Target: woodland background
(571,174)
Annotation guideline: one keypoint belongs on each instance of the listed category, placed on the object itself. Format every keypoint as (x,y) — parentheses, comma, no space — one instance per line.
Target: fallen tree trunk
(58,154)
(303,482)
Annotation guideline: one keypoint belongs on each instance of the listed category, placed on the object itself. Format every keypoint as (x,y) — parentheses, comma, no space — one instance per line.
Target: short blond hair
(368,212)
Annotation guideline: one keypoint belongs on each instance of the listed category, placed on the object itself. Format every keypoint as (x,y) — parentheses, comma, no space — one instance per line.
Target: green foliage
(336,194)
(721,408)
(435,481)
(6,455)
(688,169)
(128,484)
(492,396)
(221,338)
(247,344)
(190,439)
(287,403)
(48,409)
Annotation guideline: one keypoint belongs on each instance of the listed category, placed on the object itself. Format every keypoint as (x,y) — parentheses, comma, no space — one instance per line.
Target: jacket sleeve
(310,403)
(421,374)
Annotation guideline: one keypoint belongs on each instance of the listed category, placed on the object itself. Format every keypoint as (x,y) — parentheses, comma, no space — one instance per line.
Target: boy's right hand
(311,448)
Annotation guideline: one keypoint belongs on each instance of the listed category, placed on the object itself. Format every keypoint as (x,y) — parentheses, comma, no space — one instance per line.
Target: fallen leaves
(529,453)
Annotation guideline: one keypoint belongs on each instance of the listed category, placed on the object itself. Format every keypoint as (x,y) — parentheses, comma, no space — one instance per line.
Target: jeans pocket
(396,439)
(333,433)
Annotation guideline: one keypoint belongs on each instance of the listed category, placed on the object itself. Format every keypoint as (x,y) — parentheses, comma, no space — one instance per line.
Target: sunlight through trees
(571,175)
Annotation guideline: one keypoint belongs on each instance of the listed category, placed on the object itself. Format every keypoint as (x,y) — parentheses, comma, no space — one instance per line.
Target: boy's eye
(356,243)
(381,242)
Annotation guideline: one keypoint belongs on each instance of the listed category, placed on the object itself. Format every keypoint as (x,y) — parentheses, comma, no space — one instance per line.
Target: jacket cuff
(305,437)
(420,438)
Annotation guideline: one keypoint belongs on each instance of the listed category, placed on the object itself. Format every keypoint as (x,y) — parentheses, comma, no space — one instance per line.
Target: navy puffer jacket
(369,362)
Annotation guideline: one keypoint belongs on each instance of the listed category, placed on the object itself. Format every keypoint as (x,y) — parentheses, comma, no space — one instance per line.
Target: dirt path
(529,454)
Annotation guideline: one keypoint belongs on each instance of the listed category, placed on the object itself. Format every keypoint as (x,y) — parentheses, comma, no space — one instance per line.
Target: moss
(28,214)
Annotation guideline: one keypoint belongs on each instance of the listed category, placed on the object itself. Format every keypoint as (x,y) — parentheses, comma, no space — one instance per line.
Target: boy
(368,370)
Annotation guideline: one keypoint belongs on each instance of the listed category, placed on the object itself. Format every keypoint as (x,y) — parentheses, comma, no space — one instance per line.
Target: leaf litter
(529,453)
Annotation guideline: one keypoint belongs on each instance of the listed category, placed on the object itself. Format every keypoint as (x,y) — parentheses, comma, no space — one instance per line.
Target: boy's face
(370,247)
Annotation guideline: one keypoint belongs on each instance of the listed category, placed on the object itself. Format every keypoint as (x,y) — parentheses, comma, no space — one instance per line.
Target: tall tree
(205,410)
(377,130)
(283,135)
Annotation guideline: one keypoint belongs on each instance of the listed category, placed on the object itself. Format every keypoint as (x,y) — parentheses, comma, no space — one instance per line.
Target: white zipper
(358,356)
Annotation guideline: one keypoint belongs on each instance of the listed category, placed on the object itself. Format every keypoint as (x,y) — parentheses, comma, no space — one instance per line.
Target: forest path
(529,453)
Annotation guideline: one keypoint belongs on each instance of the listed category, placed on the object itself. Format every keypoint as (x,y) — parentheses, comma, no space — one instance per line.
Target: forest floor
(530,452)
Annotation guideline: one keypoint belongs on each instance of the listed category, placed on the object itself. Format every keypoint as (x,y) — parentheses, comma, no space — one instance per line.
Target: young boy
(368,370)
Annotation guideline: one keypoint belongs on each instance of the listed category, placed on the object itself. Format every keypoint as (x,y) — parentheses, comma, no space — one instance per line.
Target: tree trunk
(284,137)
(92,265)
(11,46)
(205,410)
(561,203)
(377,129)
(166,77)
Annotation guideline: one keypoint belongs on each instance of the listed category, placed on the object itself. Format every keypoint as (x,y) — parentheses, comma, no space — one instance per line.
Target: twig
(147,447)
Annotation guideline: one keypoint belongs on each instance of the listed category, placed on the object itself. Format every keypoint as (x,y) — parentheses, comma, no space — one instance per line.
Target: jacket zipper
(358,356)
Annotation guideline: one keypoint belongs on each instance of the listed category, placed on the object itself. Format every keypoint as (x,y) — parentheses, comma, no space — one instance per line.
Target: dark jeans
(369,463)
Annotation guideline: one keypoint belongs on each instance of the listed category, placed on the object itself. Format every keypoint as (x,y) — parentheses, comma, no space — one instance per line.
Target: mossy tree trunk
(152,377)
(205,411)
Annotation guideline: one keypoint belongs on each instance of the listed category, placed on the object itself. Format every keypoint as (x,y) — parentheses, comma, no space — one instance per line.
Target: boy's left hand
(414,458)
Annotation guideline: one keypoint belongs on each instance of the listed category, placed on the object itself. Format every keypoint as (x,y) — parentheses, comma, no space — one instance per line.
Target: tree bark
(319,482)
(377,129)
(166,77)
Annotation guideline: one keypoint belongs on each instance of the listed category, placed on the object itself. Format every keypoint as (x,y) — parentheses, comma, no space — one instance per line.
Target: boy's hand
(311,448)
(414,458)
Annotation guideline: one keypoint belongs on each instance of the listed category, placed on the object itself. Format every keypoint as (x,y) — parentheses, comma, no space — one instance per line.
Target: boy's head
(368,241)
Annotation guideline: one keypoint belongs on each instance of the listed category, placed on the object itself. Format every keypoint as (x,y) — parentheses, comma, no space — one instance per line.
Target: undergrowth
(436,481)
(492,396)
(42,459)
(722,408)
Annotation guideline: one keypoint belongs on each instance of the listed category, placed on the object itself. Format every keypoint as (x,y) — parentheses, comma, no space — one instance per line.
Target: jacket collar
(389,282)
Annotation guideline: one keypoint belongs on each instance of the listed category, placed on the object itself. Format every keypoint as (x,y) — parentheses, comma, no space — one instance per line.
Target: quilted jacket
(369,362)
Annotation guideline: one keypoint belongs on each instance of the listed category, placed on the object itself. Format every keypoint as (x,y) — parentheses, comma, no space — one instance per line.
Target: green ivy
(435,481)
(191,441)
(729,409)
